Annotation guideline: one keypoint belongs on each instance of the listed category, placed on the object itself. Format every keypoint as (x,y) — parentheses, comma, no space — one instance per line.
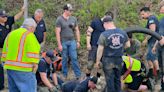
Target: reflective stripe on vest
(3,55)
(129,69)
(18,64)
(21,46)
(33,55)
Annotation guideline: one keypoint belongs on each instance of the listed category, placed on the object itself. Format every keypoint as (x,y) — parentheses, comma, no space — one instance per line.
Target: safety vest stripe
(21,46)
(3,55)
(33,56)
(18,64)
(32,52)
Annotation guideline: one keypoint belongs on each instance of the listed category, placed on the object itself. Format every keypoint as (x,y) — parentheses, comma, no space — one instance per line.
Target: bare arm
(57,31)
(88,38)
(20,14)
(162,41)
(45,80)
(54,78)
(44,39)
(77,36)
(152,27)
(127,44)
(99,54)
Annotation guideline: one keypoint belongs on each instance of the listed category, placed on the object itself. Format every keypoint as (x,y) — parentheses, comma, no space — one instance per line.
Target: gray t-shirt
(67,27)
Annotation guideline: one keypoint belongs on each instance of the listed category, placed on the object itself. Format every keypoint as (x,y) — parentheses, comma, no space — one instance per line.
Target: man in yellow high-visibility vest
(21,55)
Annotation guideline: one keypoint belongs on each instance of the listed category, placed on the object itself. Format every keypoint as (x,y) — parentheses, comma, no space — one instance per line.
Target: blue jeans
(69,50)
(1,77)
(112,69)
(21,81)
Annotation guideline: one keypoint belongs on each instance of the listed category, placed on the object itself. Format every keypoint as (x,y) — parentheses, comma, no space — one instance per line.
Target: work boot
(162,85)
(150,84)
(150,73)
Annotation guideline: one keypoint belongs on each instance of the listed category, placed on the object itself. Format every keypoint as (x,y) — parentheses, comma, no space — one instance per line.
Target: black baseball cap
(2,13)
(94,79)
(107,19)
(50,54)
(68,7)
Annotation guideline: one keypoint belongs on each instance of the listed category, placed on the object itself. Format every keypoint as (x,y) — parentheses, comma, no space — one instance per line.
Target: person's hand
(97,65)
(89,47)
(35,67)
(58,87)
(42,44)
(60,47)
(53,89)
(144,42)
(153,50)
(162,41)
(78,44)
(23,8)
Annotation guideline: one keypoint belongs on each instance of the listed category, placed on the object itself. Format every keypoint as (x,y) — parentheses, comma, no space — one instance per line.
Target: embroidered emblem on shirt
(151,21)
(41,25)
(7,26)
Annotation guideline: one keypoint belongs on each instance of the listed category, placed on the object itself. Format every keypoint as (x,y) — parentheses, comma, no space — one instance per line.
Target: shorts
(92,57)
(151,56)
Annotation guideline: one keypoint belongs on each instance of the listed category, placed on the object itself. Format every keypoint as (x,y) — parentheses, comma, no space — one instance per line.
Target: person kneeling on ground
(46,72)
(133,76)
(77,86)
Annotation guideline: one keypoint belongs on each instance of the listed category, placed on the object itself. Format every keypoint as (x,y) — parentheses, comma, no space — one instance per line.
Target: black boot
(150,73)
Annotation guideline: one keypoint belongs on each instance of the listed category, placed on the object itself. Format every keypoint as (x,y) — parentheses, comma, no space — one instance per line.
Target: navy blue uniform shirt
(152,20)
(44,67)
(70,86)
(98,28)
(40,29)
(83,86)
(5,29)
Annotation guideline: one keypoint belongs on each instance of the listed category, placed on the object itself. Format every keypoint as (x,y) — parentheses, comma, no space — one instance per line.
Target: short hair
(29,22)
(38,11)
(161,4)
(145,9)
(109,13)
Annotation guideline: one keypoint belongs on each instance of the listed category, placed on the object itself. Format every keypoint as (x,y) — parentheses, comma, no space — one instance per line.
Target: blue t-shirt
(113,41)
(152,20)
(98,28)
(40,29)
(5,29)
(161,27)
(83,86)
(44,67)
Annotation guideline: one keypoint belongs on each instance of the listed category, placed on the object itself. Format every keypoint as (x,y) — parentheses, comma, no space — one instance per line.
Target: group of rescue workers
(109,47)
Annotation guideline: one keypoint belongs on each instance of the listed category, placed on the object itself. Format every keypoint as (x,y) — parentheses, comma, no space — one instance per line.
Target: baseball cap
(3,13)
(68,7)
(94,79)
(50,54)
(107,19)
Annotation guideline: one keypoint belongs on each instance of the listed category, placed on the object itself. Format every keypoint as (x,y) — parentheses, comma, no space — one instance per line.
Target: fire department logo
(115,41)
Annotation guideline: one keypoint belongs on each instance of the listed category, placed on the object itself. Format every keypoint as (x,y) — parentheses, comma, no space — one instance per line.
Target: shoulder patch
(151,21)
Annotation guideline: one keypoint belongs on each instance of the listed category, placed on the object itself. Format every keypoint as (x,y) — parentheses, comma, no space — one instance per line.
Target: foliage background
(126,13)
